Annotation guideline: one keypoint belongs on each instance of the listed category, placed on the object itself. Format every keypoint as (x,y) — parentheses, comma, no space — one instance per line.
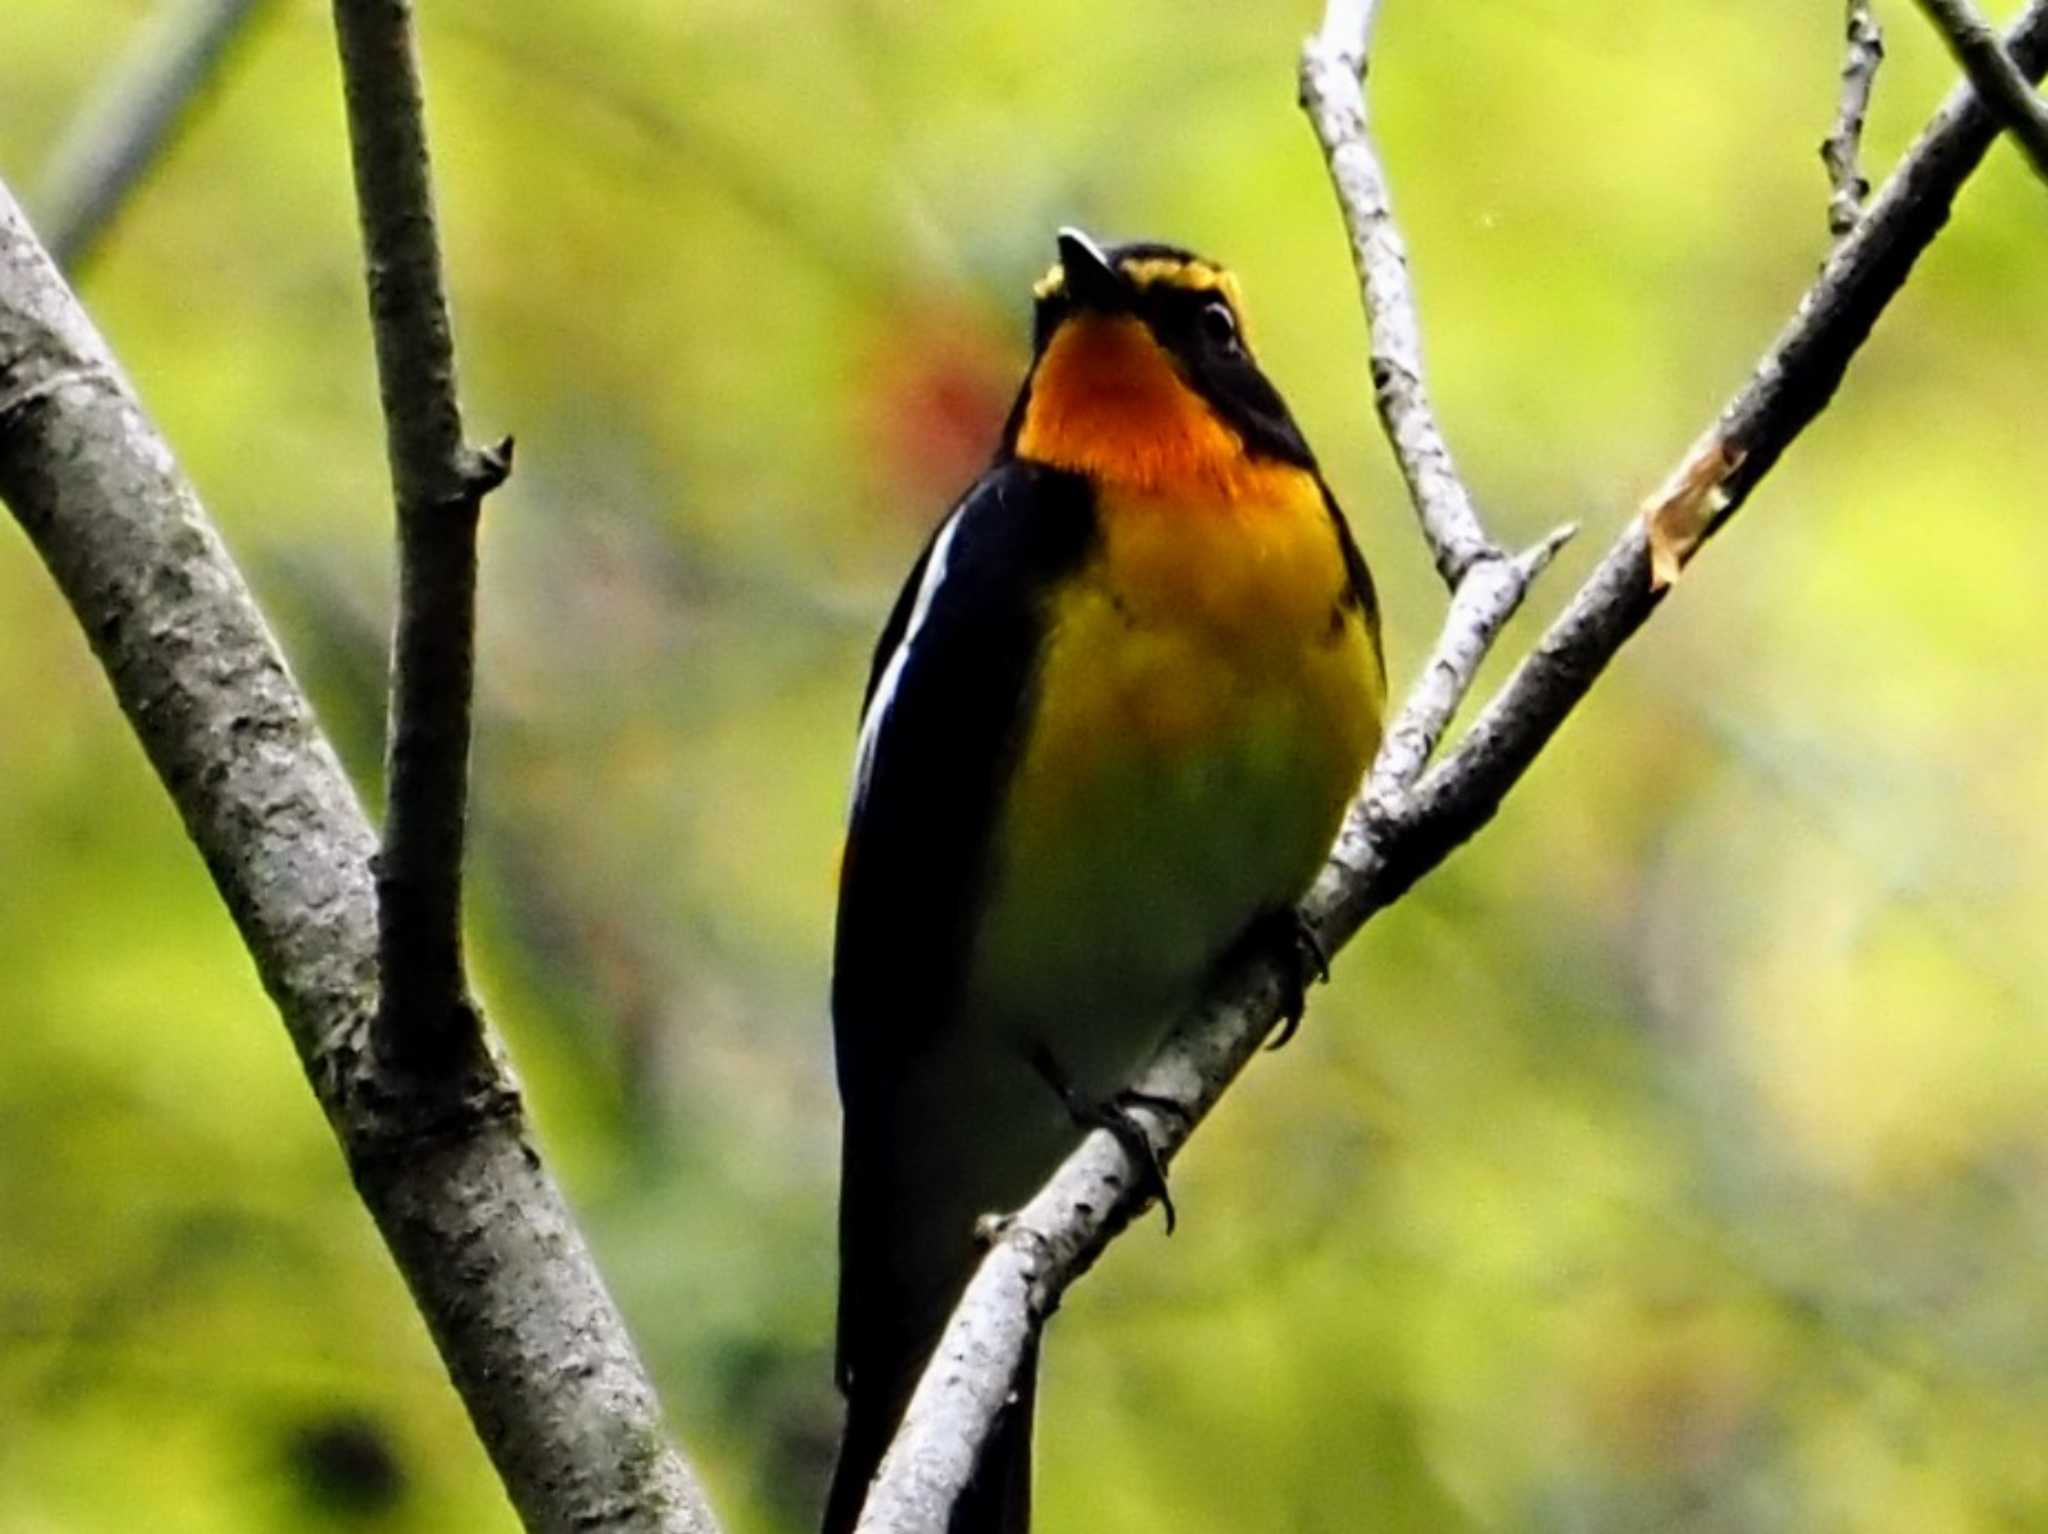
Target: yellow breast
(1199,633)
(1207,705)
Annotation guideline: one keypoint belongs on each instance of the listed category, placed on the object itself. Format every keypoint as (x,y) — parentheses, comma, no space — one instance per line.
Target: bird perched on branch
(1110,732)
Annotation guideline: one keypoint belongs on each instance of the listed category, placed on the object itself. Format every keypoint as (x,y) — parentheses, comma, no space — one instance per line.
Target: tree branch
(1842,150)
(1487,584)
(425,1014)
(1488,596)
(1997,78)
(1333,94)
(473,1219)
(131,118)
(1386,846)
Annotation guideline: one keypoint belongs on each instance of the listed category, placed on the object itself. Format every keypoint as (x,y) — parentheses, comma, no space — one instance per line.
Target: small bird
(1110,732)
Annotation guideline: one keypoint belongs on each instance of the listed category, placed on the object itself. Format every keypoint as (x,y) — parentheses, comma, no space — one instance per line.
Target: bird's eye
(1219,325)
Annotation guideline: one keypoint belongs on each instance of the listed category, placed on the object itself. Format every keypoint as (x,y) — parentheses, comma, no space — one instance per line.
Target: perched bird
(1110,731)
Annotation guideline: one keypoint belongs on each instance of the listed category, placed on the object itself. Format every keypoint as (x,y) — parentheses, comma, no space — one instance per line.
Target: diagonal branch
(474,1220)
(1386,846)
(131,118)
(1998,79)
(425,1014)
(1842,150)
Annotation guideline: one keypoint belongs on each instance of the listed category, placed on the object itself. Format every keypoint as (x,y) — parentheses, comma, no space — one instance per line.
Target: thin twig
(1997,78)
(1842,150)
(1333,94)
(1036,1253)
(473,1218)
(425,1015)
(131,118)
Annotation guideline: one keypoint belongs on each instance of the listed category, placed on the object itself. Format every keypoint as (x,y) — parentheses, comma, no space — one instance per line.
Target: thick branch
(1385,848)
(1842,150)
(1333,94)
(425,1014)
(1997,77)
(131,117)
(476,1224)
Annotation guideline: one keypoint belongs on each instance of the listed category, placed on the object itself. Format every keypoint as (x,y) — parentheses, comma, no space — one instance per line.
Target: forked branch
(474,1221)
(1997,76)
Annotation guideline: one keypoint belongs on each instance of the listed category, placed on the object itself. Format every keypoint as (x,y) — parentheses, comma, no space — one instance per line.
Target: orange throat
(1107,401)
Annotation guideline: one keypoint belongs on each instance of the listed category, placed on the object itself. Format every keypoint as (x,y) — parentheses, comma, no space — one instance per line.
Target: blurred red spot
(940,393)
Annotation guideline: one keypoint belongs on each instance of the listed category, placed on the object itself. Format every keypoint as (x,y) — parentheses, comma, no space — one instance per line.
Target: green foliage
(1672,1159)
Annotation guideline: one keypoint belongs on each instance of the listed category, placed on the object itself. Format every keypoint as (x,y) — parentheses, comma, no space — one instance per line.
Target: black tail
(997,1500)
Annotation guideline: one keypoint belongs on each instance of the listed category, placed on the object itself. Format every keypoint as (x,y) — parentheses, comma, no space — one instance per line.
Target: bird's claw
(1115,1117)
(1303,958)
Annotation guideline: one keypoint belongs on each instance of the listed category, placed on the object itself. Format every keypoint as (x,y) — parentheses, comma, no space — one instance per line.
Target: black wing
(1360,593)
(948,691)
(948,695)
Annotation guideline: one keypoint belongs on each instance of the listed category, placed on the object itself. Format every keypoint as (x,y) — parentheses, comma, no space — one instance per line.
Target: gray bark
(2005,83)
(476,1224)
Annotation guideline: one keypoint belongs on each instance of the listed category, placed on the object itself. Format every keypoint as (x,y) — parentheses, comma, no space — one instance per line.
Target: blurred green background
(1674,1159)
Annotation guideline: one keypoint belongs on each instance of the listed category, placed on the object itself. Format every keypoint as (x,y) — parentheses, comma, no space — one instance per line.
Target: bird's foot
(1302,958)
(1115,1117)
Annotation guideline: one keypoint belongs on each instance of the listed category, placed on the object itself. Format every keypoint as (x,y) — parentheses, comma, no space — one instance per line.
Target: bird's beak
(1091,282)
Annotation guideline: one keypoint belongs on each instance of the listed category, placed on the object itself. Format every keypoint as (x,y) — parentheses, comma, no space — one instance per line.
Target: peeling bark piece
(1679,516)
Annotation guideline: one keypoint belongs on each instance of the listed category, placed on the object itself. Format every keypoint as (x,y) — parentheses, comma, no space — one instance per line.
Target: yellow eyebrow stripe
(1194,276)
(1161,271)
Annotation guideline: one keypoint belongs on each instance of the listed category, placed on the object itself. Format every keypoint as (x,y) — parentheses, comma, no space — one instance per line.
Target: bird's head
(1142,371)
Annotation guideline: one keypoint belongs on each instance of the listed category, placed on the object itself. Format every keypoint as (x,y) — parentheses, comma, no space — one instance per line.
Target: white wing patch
(892,674)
